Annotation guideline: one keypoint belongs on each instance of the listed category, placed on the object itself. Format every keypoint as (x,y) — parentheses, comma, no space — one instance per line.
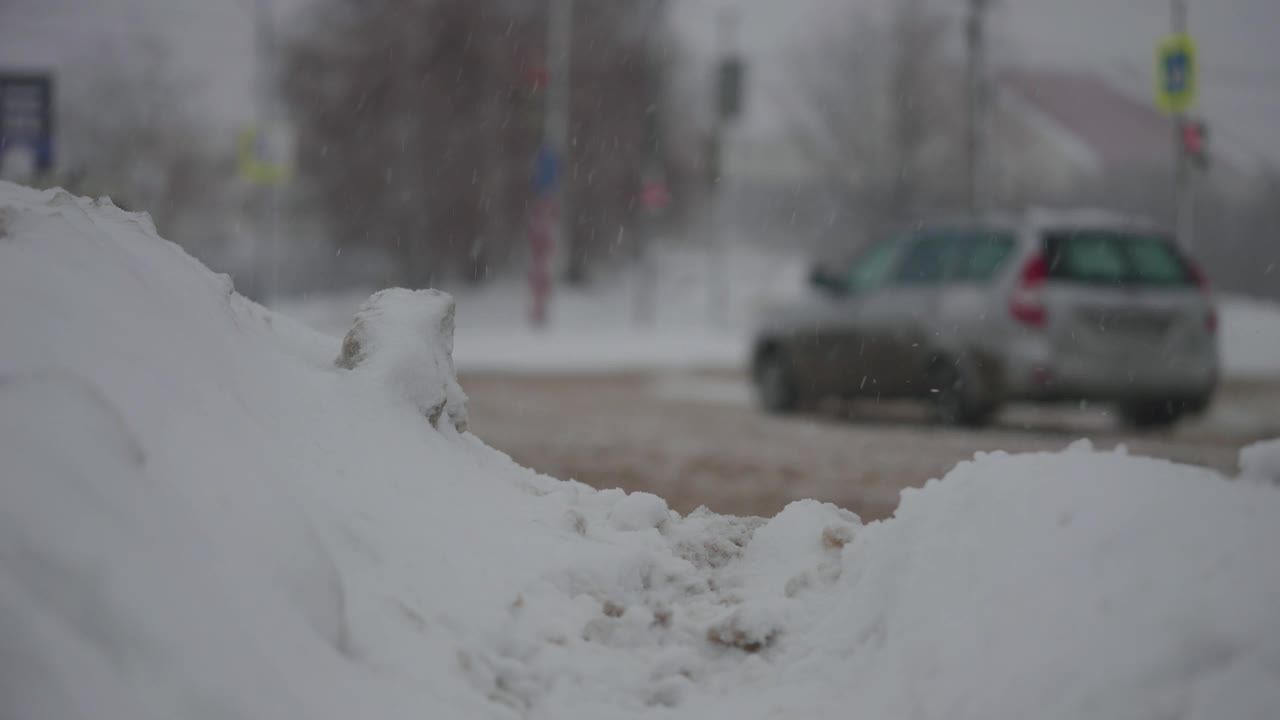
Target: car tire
(776,384)
(956,401)
(1151,414)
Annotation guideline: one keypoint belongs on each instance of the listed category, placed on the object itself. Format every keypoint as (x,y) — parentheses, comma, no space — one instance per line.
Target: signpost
(542,233)
(1176,70)
(1176,73)
(546,216)
(26,117)
(263,158)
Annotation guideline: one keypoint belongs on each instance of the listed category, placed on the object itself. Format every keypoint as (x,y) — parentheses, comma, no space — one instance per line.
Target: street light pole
(976,92)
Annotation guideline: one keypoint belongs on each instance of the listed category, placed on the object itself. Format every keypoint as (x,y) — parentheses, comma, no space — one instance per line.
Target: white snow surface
(203,516)
(1250,338)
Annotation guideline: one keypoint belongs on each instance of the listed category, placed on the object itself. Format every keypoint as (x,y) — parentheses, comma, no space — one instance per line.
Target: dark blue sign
(1177,72)
(26,116)
(546,170)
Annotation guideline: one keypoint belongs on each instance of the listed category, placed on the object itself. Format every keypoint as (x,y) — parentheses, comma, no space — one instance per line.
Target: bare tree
(418,123)
(878,113)
(131,131)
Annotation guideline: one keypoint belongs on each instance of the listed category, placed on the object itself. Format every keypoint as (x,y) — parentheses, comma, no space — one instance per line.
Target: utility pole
(548,249)
(1183,200)
(976,94)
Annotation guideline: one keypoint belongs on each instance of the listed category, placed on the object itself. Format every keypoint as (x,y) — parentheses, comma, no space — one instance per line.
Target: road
(696,438)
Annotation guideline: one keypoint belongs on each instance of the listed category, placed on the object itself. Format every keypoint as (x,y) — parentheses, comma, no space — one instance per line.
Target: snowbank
(1250,338)
(207,511)
(1260,462)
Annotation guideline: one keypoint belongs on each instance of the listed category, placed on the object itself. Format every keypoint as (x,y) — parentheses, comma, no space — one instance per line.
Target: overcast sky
(1240,51)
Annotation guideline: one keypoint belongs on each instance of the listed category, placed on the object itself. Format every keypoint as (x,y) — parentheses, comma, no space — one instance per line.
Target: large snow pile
(207,511)
(1250,338)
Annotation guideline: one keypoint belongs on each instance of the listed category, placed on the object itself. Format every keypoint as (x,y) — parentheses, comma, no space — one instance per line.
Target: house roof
(1118,130)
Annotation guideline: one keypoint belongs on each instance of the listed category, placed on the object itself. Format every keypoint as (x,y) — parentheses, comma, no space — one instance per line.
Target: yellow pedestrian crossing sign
(261,159)
(1176,70)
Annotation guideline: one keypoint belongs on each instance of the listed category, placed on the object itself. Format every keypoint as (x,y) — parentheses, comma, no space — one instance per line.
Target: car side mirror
(822,279)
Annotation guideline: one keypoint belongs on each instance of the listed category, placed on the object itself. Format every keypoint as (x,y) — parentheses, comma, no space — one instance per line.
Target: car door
(897,320)
(851,351)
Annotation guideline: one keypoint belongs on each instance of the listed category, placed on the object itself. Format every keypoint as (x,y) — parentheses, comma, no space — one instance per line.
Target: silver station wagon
(974,313)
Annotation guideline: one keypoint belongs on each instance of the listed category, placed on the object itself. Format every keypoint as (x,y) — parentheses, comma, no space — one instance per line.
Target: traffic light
(1194,139)
(730,79)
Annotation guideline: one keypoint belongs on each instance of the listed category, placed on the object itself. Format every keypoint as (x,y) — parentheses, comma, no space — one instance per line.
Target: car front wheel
(776,384)
(956,401)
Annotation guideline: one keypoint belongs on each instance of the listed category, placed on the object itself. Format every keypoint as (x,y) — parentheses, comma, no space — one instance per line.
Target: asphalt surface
(697,438)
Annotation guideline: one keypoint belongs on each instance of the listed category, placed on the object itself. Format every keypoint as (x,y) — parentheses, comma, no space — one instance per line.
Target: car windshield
(1115,257)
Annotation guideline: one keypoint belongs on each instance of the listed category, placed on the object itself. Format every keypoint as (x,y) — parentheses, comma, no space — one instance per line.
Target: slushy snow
(210,511)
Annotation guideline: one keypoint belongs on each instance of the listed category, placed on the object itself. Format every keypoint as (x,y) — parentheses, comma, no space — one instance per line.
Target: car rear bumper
(1033,371)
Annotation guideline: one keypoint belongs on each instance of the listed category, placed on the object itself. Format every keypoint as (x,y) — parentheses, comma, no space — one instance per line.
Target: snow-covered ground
(701,310)
(210,511)
(1250,338)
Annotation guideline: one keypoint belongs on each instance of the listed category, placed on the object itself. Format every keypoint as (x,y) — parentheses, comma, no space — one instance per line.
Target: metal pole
(1182,196)
(976,94)
(556,128)
(547,235)
(644,273)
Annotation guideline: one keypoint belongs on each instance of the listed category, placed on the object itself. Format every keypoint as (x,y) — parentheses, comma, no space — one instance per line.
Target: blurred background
(612,188)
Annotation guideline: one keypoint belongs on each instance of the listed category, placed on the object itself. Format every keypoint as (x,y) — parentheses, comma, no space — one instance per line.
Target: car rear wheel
(956,400)
(776,384)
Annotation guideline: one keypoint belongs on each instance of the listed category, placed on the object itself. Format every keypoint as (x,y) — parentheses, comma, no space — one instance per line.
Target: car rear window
(1115,258)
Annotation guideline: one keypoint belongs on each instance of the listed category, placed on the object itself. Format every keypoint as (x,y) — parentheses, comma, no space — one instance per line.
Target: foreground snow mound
(1260,462)
(204,515)
(1074,585)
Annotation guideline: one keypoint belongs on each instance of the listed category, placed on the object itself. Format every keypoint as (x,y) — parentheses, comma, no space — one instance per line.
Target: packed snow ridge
(209,511)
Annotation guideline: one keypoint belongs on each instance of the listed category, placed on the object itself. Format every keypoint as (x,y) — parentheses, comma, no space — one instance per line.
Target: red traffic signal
(1195,141)
(654,196)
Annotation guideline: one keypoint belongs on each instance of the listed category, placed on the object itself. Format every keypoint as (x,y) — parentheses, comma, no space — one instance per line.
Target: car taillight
(1026,304)
(1202,282)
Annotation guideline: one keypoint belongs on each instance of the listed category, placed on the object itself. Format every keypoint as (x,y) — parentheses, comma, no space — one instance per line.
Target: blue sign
(1177,72)
(26,116)
(546,170)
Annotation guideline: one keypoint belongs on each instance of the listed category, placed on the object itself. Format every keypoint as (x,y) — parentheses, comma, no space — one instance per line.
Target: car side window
(873,268)
(926,260)
(982,255)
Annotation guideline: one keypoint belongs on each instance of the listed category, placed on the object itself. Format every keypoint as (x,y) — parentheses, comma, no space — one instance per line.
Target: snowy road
(696,438)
